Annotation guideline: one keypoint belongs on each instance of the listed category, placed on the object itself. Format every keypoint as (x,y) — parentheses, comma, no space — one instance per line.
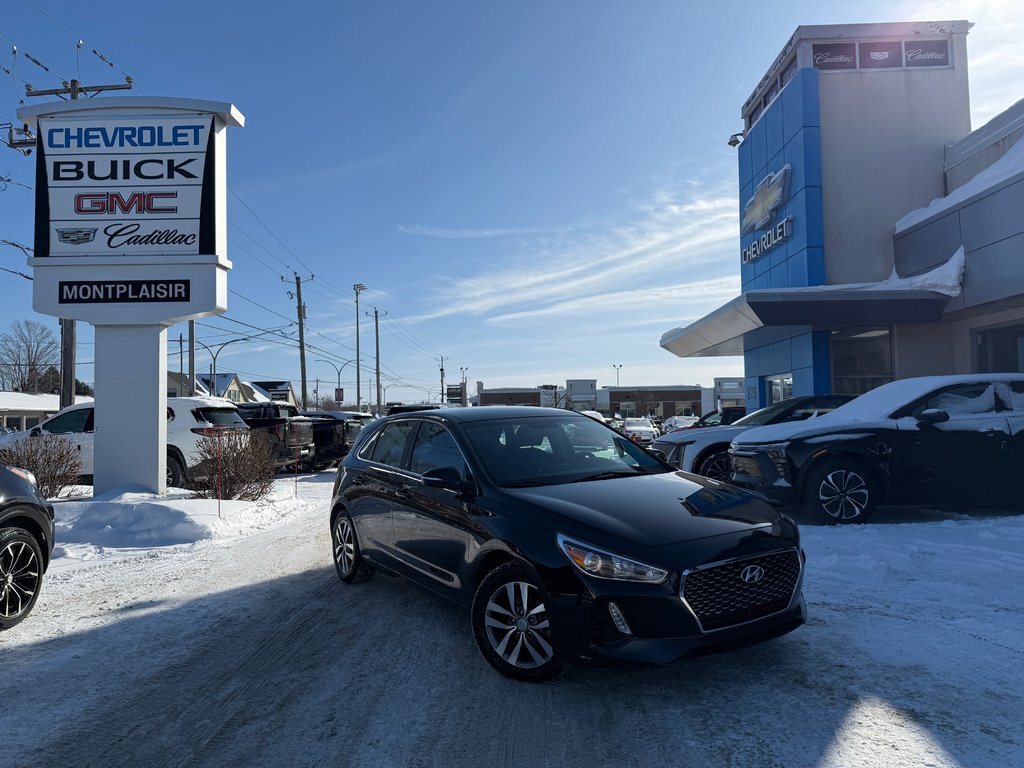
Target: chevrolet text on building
(768,198)
(131,236)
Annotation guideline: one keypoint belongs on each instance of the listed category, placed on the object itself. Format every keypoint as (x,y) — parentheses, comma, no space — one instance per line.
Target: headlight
(605,565)
(24,473)
(777,453)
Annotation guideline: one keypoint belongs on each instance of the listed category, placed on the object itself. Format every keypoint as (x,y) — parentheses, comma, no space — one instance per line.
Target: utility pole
(68,328)
(442,379)
(300,312)
(358,288)
(376,334)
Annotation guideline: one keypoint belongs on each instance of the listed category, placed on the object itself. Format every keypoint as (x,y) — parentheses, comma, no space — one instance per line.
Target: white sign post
(131,217)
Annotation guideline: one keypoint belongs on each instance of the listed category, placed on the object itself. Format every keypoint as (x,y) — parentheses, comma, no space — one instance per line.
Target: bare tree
(27,350)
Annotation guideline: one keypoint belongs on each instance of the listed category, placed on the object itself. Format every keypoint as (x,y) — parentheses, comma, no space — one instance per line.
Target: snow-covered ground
(169,633)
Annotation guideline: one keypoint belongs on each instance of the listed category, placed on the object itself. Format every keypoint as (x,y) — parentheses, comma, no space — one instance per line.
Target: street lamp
(358,288)
(338,370)
(220,347)
(616,367)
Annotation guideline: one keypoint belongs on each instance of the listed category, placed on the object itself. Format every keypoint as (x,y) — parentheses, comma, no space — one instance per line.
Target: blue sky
(533,190)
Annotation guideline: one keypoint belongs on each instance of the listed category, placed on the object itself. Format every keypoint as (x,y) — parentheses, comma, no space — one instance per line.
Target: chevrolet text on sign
(135,186)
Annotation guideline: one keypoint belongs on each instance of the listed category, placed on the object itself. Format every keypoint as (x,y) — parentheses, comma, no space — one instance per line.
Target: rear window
(219,417)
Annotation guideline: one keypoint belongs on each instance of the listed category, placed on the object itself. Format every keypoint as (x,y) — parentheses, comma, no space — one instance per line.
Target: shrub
(54,461)
(236,463)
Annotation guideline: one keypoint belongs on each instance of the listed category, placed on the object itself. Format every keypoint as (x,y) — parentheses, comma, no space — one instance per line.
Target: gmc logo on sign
(115,203)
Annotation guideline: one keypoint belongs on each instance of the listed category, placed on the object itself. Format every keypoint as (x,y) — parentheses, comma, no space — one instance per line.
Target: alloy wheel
(844,495)
(717,468)
(344,545)
(517,625)
(20,575)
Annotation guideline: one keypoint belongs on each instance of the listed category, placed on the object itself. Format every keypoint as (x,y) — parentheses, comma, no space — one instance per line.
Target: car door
(956,460)
(376,485)
(432,524)
(77,427)
(1011,395)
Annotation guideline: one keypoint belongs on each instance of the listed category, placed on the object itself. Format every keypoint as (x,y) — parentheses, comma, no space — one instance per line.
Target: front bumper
(755,471)
(663,627)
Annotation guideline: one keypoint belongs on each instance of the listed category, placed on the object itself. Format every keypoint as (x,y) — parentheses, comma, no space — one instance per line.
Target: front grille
(720,598)
(744,465)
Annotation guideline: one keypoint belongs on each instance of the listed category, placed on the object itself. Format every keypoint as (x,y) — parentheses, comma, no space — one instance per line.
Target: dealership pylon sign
(131,236)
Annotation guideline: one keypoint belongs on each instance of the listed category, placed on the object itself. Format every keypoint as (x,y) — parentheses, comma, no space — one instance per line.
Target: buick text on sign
(127,185)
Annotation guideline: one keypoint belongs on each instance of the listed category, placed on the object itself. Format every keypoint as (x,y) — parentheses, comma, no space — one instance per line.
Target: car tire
(21,575)
(841,491)
(716,466)
(175,473)
(349,562)
(512,626)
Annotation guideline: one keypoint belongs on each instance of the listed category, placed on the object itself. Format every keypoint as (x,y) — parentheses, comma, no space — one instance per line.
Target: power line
(79,42)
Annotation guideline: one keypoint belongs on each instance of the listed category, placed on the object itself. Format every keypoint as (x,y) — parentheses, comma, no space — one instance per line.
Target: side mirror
(446,477)
(932,416)
(658,452)
(36,432)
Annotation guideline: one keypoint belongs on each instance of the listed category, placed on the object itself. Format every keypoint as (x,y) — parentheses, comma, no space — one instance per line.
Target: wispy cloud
(689,229)
(714,290)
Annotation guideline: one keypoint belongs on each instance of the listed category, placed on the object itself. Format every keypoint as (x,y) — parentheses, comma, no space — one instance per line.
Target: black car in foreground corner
(26,543)
(937,440)
(563,538)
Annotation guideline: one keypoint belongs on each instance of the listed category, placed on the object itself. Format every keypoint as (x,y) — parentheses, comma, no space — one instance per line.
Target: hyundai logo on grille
(76,236)
(752,574)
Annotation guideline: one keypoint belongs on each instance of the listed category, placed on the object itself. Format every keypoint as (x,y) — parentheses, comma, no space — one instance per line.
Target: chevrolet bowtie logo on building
(76,236)
(766,200)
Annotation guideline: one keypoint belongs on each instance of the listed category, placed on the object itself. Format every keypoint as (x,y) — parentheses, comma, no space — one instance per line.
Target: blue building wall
(788,132)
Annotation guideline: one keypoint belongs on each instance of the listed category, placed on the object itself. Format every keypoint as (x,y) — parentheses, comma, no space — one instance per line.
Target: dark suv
(26,544)
(940,440)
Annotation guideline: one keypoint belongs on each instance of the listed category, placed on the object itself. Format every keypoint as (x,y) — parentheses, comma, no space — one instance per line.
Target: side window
(435,447)
(963,399)
(389,447)
(75,421)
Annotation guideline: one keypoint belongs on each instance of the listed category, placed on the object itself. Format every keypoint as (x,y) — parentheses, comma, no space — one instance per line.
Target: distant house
(280,391)
(226,385)
(19,410)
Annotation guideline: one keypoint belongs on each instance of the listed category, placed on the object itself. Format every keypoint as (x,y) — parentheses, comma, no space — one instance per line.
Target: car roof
(486,412)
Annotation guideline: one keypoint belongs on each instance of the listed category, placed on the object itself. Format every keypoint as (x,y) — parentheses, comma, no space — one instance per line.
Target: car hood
(14,437)
(825,424)
(649,510)
(705,435)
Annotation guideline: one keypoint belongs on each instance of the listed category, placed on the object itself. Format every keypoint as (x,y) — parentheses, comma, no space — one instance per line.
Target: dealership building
(880,238)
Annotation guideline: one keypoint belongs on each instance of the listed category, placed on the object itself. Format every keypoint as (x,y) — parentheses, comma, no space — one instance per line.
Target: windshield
(764,415)
(550,450)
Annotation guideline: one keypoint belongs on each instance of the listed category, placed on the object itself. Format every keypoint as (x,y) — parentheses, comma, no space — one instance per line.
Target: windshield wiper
(524,483)
(608,475)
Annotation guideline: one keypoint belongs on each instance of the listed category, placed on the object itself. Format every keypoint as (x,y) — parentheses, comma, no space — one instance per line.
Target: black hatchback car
(26,544)
(564,538)
(938,440)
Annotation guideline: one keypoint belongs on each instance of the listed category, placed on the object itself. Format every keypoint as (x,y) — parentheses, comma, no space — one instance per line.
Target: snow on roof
(1005,168)
(872,406)
(945,279)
